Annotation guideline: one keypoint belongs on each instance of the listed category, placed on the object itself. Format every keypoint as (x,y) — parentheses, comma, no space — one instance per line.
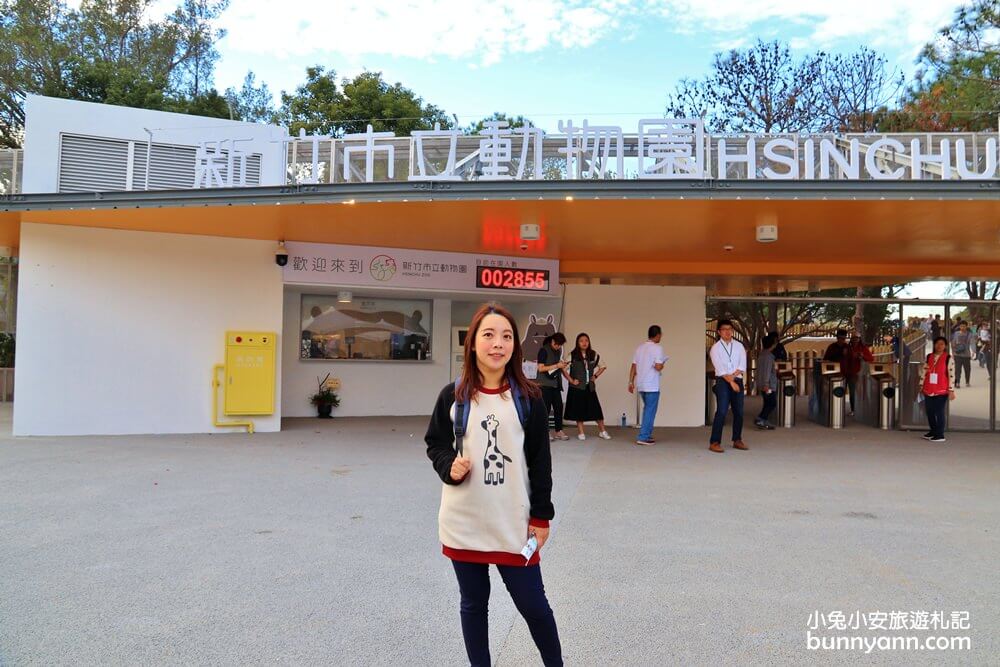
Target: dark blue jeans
(525,587)
(770,402)
(936,406)
(727,398)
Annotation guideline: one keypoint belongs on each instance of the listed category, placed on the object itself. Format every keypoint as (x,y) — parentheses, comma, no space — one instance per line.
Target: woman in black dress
(582,404)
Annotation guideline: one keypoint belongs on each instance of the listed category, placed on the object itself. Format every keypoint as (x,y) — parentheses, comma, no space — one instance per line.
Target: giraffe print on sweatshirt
(494,460)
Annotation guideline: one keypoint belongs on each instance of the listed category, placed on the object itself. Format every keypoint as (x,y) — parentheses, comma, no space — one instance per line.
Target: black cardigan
(440,439)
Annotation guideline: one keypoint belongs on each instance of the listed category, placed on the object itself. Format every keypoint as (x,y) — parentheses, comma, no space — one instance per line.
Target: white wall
(47,117)
(616,317)
(118,331)
(367,387)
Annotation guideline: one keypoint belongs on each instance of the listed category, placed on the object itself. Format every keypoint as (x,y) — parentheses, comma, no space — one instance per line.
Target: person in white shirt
(730,361)
(647,364)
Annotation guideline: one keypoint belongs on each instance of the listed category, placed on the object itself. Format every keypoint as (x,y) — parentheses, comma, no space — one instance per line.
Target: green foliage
(210,104)
(958,86)
(512,122)
(324,395)
(252,103)
(6,350)
(314,106)
(107,51)
(319,107)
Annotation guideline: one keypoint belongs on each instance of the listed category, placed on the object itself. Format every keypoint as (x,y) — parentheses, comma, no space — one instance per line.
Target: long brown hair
(472,379)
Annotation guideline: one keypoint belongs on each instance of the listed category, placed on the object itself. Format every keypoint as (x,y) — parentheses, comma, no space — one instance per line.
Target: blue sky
(609,61)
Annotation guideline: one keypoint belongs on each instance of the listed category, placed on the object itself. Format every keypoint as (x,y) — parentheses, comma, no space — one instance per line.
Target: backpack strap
(520,404)
(461,423)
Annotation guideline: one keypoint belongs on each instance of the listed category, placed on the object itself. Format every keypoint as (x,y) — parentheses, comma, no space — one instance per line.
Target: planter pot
(325,411)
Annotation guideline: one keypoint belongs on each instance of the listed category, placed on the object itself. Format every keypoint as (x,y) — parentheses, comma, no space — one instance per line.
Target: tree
(979,290)
(210,104)
(855,90)
(193,23)
(314,104)
(320,107)
(553,168)
(512,122)
(252,103)
(760,89)
(107,51)
(958,84)
(764,89)
(753,320)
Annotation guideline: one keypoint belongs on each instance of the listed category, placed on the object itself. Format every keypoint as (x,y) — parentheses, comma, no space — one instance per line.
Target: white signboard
(365,266)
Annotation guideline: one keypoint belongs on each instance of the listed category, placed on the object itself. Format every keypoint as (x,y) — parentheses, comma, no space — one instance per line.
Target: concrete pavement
(318,545)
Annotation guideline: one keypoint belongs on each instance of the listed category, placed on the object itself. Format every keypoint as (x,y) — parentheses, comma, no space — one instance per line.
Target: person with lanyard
(488,439)
(551,371)
(730,361)
(937,387)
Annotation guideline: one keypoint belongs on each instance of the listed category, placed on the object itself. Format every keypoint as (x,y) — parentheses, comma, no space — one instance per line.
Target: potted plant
(325,399)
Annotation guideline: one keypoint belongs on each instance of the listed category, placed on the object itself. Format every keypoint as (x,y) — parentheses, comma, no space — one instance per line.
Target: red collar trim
(500,390)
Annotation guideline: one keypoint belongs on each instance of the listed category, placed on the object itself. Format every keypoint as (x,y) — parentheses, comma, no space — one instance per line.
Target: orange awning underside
(821,243)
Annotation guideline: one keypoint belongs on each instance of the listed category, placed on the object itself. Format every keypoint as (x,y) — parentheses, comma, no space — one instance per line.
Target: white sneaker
(581,436)
(604,435)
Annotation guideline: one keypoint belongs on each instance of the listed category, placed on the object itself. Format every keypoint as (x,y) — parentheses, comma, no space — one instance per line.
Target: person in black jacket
(582,404)
(497,486)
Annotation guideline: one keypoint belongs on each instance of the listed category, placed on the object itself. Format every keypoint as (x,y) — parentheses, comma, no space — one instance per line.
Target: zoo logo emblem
(383,268)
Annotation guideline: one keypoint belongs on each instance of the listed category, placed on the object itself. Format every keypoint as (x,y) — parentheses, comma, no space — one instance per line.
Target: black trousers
(960,363)
(935,406)
(552,397)
(770,403)
(526,589)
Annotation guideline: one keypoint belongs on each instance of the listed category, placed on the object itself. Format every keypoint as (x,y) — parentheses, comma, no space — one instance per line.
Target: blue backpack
(462,413)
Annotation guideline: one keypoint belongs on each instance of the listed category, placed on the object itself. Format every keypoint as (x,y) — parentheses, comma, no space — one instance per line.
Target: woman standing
(489,442)
(551,371)
(937,382)
(582,404)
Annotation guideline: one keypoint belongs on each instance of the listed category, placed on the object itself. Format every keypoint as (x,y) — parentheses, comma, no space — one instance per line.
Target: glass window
(371,329)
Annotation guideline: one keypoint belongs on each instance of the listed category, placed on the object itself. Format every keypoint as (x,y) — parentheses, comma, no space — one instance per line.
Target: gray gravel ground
(318,545)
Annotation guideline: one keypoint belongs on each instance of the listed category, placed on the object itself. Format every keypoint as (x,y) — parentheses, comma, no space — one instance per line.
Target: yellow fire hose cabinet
(249,376)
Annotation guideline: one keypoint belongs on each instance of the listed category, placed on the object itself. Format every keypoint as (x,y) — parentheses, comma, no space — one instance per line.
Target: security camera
(281,255)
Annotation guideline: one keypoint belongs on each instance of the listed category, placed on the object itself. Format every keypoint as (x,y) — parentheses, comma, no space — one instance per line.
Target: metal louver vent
(174,167)
(94,164)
